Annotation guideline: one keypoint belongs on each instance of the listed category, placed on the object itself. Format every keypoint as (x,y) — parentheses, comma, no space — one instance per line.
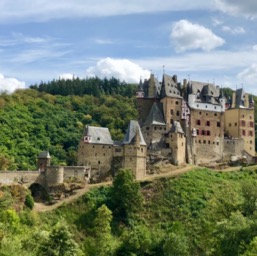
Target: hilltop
(51,116)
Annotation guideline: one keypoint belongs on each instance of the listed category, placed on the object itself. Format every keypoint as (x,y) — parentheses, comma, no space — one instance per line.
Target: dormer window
(87,139)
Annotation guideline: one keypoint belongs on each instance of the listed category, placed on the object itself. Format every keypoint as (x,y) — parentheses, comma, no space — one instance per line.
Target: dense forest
(34,120)
(202,212)
(51,116)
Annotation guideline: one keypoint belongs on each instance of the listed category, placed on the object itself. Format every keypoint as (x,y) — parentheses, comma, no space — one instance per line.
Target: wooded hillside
(33,120)
(51,116)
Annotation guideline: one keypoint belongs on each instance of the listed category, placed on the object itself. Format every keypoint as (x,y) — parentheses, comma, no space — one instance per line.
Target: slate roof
(169,87)
(146,85)
(240,101)
(155,116)
(158,87)
(196,87)
(176,127)
(205,92)
(99,135)
(131,133)
(211,90)
(44,154)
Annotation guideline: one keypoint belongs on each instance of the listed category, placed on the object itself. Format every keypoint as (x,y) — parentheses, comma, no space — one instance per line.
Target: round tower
(44,160)
(54,175)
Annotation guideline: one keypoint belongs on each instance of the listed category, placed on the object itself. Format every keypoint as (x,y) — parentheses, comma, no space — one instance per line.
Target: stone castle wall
(22,177)
(97,156)
(172,108)
(233,148)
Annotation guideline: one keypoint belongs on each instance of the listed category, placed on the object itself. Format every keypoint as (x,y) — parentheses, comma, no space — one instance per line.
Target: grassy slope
(194,200)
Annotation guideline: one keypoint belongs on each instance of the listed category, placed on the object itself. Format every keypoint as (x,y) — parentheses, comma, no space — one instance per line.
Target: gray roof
(209,93)
(98,135)
(211,90)
(44,154)
(146,85)
(131,133)
(169,87)
(176,127)
(196,87)
(155,116)
(240,98)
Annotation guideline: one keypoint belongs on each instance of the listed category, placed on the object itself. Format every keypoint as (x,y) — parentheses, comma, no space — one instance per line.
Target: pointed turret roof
(133,133)
(44,154)
(176,127)
(155,116)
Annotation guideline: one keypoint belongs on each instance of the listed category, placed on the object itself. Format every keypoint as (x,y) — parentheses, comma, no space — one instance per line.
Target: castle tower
(239,120)
(177,144)
(147,94)
(134,150)
(44,160)
(171,100)
(154,127)
(140,91)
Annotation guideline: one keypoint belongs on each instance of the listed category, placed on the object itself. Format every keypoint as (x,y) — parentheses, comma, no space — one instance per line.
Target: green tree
(59,243)
(176,243)
(233,234)
(104,243)
(249,192)
(251,248)
(126,195)
(137,240)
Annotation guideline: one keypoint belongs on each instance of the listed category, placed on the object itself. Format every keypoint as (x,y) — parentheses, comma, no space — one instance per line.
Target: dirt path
(40,207)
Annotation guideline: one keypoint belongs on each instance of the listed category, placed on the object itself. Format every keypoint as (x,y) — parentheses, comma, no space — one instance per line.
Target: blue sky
(207,41)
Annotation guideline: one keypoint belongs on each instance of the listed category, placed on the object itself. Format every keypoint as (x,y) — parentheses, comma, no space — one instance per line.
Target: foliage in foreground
(199,213)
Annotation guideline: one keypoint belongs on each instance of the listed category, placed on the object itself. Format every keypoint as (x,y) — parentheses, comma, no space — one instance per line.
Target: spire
(140,90)
(251,101)
(133,134)
(137,136)
(140,86)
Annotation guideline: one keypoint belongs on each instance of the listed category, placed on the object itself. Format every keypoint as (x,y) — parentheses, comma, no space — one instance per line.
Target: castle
(102,154)
(190,122)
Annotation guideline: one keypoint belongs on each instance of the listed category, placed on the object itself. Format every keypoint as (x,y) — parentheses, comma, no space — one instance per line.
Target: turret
(134,150)
(140,91)
(44,160)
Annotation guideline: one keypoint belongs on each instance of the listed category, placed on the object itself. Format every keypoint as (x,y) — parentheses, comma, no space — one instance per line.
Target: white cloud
(216,22)
(238,7)
(10,84)
(103,41)
(41,10)
(122,69)
(234,31)
(255,47)
(67,76)
(188,36)
(249,77)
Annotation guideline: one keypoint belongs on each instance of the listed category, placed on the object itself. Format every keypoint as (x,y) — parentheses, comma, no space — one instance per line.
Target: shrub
(29,201)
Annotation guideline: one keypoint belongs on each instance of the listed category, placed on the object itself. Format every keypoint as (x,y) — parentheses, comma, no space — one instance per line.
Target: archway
(38,192)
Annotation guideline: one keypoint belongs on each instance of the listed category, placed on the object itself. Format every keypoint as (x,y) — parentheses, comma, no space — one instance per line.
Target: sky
(211,41)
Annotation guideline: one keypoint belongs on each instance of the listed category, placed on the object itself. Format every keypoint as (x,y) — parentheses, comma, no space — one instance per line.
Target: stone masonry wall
(23,177)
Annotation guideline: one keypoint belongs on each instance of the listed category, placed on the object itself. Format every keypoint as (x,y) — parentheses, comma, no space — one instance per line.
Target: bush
(29,201)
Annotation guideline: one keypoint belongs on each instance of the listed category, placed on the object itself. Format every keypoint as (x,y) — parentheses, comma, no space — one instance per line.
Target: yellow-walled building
(239,120)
